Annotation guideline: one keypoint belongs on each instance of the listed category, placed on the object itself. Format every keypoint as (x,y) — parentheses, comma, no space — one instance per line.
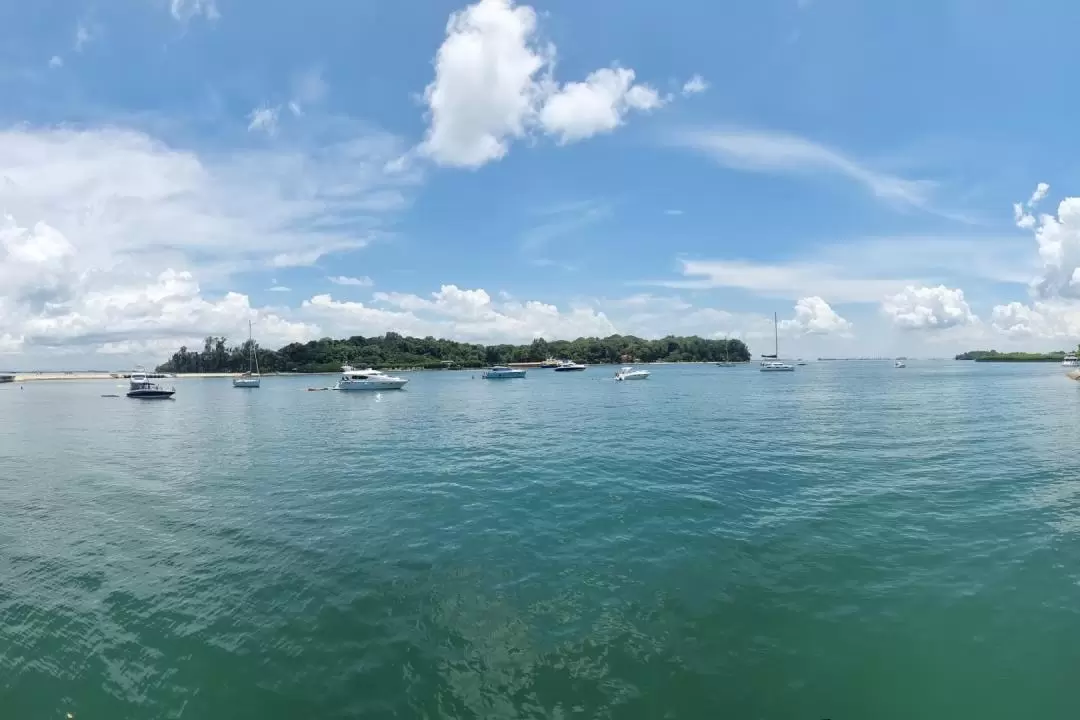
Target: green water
(848,541)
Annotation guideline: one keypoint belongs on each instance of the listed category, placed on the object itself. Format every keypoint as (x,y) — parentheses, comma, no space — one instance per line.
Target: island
(995,356)
(399,352)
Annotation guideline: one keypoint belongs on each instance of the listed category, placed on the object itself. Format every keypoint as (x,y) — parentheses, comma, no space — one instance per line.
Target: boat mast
(776,336)
(253,357)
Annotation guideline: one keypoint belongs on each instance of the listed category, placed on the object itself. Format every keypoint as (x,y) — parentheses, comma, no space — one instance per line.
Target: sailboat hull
(246,382)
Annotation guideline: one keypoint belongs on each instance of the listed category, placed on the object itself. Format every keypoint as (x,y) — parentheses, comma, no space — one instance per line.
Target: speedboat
(776,366)
(353,379)
(142,388)
(1071,360)
(629,373)
(502,372)
(900,364)
(568,366)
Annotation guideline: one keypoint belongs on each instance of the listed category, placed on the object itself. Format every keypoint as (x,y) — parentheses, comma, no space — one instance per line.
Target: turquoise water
(848,541)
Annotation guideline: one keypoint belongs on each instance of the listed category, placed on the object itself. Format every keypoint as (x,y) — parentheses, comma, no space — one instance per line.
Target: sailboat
(727,359)
(252,378)
(771,363)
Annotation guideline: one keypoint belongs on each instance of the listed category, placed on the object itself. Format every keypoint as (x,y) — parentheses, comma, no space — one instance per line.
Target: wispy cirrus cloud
(783,153)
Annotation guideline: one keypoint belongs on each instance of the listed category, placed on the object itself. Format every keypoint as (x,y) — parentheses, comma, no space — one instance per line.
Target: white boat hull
(640,375)
(504,375)
(369,385)
(246,382)
(778,368)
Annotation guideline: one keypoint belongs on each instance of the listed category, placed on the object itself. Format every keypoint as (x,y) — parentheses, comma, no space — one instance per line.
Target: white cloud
(693,86)
(814,316)
(56,61)
(280,289)
(769,152)
(796,279)
(580,110)
(264,119)
(673,212)
(494,83)
(184,10)
(120,208)
(1060,319)
(1058,239)
(353,281)
(166,311)
(1039,195)
(463,314)
(928,308)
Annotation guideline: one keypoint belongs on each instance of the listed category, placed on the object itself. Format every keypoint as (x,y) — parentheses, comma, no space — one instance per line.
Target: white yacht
(569,366)
(353,379)
(1071,360)
(252,378)
(770,363)
(629,373)
(899,364)
(502,372)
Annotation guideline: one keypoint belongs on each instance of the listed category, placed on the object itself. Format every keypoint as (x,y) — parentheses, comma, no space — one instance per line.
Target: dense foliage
(395,351)
(995,356)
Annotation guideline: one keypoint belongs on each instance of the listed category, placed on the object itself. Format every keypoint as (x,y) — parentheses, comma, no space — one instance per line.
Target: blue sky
(498,171)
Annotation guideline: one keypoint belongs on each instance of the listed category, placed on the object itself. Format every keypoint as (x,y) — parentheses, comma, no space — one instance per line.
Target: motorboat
(502,372)
(142,388)
(569,366)
(252,378)
(1071,360)
(629,373)
(549,364)
(770,362)
(353,379)
(800,362)
(899,364)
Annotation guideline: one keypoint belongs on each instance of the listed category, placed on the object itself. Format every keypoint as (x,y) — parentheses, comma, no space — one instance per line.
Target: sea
(846,542)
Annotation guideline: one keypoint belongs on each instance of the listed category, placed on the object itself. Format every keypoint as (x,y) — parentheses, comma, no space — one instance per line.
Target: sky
(887,178)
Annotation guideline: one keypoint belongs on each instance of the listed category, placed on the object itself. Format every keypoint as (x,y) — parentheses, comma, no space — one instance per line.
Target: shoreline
(65,376)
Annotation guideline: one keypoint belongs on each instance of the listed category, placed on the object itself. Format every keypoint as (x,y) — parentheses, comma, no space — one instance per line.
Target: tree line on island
(995,356)
(396,351)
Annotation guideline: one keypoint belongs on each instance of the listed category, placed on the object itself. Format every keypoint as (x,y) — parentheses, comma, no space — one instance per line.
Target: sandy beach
(50,376)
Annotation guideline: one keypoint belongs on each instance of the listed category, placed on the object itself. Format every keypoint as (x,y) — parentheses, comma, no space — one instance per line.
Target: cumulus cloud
(100,214)
(1058,240)
(928,308)
(695,85)
(472,314)
(814,316)
(580,110)
(264,119)
(56,61)
(353,281)
(1038,320)
(1040,193)
(494,83)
